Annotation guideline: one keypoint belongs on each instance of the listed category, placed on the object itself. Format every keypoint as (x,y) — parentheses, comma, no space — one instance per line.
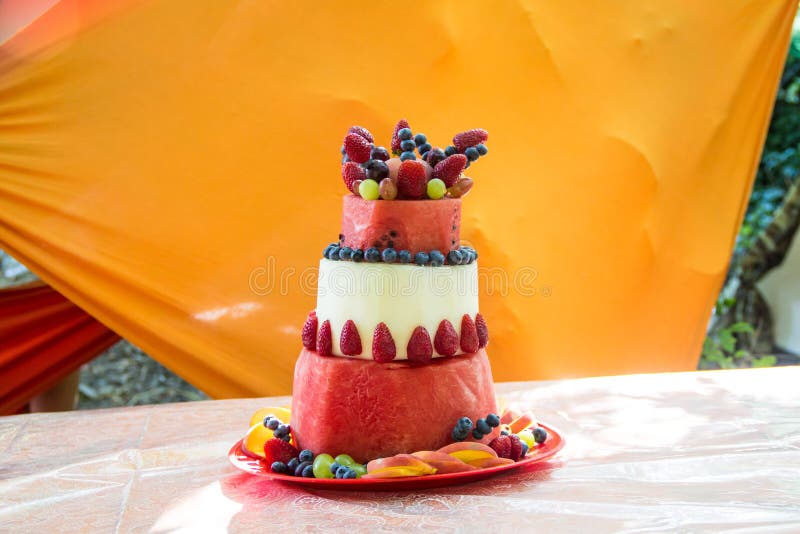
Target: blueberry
(298,472)
(420,139)
(482,150)
(421,258)
(267,419)
(481,425)
(342,150)
(389,255)
(324,255)
(524,449)
(423,149)
(437,258)
(287,438)
(465,423)
(372,255)
(472,153)
(334,467)
(477,434)
(468,164)
(407,155)
(404,256)
(454,257)
(333,253)
(281,431)
(458,434)
(504,432)
(539,434)
(273,424)
(279,467)
(404,134)
(293,463)
(345,159)
(306,455)
(344,253)
(378,152)
(407,145)
(357,255)
(350,473)
(434,156)
(493,420)
(308,472)
(341,471)
(449,151)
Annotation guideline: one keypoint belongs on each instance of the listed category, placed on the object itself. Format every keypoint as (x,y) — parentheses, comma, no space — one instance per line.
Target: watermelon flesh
(413,225)
(373,410)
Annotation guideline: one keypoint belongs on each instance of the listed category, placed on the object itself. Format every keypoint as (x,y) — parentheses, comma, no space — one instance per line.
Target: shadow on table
(265,501)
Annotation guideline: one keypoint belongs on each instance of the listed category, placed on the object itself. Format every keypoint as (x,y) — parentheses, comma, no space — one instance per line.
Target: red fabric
(43,338)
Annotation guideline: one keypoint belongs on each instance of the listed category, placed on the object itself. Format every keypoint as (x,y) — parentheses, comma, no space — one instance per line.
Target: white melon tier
(403,296)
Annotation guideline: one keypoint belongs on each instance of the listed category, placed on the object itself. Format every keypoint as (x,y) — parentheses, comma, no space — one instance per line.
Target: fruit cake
(394,353)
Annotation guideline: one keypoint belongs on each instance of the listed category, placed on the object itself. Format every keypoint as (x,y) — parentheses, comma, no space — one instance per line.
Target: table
(699,451)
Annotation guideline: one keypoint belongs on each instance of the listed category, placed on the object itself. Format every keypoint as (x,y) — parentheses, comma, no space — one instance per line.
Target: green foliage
(721,350)
(780,161)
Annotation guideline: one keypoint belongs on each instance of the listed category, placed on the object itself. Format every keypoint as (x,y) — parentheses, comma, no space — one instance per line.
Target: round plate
(540,453)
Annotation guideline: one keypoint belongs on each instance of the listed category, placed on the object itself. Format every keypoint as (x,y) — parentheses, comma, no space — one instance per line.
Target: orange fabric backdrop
(163,160)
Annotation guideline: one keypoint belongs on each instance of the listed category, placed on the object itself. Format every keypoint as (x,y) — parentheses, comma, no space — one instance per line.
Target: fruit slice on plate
(253,442)
(399,465)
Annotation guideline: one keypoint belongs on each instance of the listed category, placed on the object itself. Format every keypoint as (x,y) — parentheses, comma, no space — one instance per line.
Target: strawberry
(449,169)
(420,349)
(324,340)
(363,132)
(383,348)
(446,339)
(516,447)
(469,335)
(357,148)
(483,331)
(464,140)
(352,171)
(402,123)
(309,335)
(277,450)
(411,182)
(350,341)
(502,446)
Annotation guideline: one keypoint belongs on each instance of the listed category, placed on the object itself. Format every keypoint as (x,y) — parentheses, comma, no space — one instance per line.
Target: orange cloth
(43,338)
(172,166)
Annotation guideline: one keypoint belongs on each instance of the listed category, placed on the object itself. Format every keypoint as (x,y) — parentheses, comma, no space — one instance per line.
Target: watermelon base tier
(373,410)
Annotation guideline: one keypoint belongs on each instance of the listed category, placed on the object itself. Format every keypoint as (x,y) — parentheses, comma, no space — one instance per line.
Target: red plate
(540,453)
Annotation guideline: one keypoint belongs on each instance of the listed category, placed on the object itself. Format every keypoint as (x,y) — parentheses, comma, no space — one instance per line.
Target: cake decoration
(396,334)
(369,172)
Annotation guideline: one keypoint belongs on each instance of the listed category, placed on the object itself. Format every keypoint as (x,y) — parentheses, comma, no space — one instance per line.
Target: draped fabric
(172,166)
(43,338)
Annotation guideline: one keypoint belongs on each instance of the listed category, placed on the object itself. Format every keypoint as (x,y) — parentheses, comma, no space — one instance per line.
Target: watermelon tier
(413,225)
(371,410)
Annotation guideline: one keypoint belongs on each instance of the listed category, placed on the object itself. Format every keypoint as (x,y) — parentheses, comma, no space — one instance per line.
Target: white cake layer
(401,295)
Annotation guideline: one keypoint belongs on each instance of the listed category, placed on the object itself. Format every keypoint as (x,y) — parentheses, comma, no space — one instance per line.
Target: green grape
(436,189)
(527,437)
(344,459)
(369,190)
(360,469)
(322,466)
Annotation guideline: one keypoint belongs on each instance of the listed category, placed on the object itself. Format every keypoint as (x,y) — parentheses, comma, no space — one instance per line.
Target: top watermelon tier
(418,171)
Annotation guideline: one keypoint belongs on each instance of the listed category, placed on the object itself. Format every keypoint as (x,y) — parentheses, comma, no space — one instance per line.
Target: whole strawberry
(363,132)
(383,347)
(309,335)
(357,148)
(352,171)
(446,339)
(449,169)
(350,341)
(420,348)
(277,450)
(502,446)
(464,140)
(411,180)
(402,123)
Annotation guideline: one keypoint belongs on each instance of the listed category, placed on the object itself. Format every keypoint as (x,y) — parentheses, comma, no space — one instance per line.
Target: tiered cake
(395,349)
